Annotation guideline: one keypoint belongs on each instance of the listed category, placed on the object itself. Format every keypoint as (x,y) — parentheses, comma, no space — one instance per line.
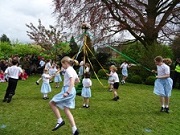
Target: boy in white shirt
(13,73)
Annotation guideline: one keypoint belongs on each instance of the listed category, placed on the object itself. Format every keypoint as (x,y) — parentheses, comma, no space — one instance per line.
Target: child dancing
(65,100)
(115,80)
(45,88)
(163,83)
(86,91)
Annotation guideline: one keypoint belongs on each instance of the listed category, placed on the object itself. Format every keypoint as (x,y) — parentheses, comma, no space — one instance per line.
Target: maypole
(85,27)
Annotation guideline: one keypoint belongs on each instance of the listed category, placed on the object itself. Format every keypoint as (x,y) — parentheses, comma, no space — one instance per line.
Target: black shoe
(118,97)
(37,82)
(115,99)
(45,98)
(58,125)
(9,98)
(87,106)
(162,109)
(167,110)
(4,100)
(84,106)
(76,132)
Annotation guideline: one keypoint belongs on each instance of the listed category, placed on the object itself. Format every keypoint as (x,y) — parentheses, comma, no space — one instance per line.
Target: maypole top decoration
(85,26)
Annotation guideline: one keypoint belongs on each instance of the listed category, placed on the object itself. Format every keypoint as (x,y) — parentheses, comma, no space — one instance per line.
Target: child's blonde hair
(113,67)
(69,60)
(167,61)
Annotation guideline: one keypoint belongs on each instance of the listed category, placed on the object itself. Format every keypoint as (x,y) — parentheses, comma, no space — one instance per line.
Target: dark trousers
(176,78)
(12,83)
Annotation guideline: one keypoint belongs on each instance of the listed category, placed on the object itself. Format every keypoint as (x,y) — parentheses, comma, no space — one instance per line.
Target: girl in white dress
(45,88)
(57,77)
(65,100)
(124,67)
(86,90)
(163,83)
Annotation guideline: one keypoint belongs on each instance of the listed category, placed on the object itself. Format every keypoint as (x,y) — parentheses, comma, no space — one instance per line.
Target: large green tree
(148,21)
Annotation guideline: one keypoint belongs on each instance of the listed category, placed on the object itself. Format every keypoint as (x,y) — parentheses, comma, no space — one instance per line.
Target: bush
(135,79)
(150,80)
(101,74)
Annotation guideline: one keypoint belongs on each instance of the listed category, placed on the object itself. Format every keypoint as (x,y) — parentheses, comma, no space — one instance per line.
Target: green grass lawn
(137,113)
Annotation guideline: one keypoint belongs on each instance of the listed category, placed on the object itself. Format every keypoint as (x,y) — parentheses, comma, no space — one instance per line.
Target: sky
(14,14)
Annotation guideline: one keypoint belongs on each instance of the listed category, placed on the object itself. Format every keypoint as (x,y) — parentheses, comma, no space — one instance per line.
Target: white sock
(44,95)
(167,106)
(87,105)
(163,106)
(59,120)
(74,128)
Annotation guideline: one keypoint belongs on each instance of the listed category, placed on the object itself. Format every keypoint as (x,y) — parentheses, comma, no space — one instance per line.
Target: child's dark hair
(14,62)
(87,75)
(159,59)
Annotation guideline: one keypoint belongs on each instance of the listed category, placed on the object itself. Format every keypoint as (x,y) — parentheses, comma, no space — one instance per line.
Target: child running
(57,77)
(86,91)
(65,100)
(13,74)
(45,88)
(163,83)
(115,80)
(110,80)
(124,67)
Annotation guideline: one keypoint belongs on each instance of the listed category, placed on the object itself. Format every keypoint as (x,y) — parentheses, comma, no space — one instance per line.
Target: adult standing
(13,74)
(41,65)
(176,73)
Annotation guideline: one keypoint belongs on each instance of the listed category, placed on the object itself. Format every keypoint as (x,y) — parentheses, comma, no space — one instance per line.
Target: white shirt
(13,72)
(87,82)
(124,66)
(52,71)
(70,73)
(81,63)
(163,70)
(45,78)
(42,63)
(115,77)
(87,69)
(48,66)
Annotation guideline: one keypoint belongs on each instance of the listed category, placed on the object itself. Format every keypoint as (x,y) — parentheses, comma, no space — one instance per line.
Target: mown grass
(137,113)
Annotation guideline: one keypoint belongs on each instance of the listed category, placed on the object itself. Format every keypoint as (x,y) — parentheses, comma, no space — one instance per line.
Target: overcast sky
(14,14)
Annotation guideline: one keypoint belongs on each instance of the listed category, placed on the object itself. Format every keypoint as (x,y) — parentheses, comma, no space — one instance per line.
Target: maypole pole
(85,27)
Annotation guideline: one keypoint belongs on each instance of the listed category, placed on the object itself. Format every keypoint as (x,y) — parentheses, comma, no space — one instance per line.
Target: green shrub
(136,79)
(102,74)
(150,80)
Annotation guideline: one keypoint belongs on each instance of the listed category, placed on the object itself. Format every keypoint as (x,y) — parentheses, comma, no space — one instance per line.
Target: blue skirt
(62,101)
(124,72)
(45,88)
(81,71)
(57,78)
(163,87)
(86,92)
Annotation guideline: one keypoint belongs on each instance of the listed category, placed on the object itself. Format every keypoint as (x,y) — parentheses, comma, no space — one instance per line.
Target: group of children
(65,100)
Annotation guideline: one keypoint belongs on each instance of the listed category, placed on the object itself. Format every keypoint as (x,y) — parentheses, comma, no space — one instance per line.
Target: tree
(148,21)
(176,47)
(4,38)
(74,47)
(46,38)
